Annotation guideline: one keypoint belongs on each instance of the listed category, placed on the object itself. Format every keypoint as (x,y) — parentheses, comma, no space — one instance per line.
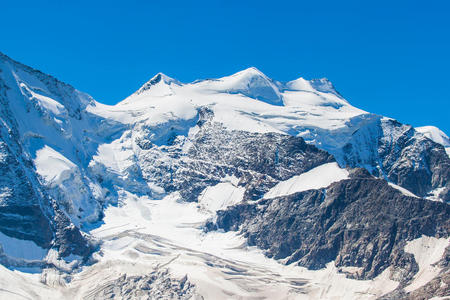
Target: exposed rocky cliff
(189,164)
(401,155)
(361,222)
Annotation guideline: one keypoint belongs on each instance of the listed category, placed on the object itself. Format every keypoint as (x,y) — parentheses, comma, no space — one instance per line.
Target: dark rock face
(397,152)
(259,160)
(68,238)
(20,210)
(360,222)
(385,147)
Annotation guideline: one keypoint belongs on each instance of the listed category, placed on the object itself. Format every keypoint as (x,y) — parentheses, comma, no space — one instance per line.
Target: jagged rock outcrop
(400,154)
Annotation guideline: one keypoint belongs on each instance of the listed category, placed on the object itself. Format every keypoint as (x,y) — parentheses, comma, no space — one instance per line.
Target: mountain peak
(161,80)
(250,82)
(162,77)
(322,85)
(250,72)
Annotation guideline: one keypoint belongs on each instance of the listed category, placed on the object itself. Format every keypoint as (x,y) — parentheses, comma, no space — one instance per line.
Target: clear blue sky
(387,57)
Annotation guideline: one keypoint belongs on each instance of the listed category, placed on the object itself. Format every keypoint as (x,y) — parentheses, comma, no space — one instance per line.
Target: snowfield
(53,166)
(145,235)
(319,177)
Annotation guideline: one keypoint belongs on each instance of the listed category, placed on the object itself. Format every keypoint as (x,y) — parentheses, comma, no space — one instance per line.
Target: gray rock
(190,164)
(400,154)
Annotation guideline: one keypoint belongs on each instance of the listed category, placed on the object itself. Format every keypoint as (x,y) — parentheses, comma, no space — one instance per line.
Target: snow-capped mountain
(237,187)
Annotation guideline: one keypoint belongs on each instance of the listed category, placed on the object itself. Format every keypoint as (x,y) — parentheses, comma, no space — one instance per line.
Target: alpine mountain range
(241,187)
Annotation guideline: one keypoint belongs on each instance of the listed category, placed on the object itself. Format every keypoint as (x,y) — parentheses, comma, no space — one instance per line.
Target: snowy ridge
(159,86)
(250,82)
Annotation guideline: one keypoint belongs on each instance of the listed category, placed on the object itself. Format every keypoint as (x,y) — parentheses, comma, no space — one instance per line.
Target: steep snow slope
(145,177)
(427,252)
(50,116)
(47,139)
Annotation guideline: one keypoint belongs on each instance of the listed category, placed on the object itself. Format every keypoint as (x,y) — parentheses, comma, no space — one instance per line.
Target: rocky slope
(361,222)
(401,155)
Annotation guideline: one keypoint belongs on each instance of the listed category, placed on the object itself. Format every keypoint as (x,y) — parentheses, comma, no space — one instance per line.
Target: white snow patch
(19,285)
(52,165)
(221,195)
(402,190)
(427,251)
(319,177)
(46,102)
(116,156)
